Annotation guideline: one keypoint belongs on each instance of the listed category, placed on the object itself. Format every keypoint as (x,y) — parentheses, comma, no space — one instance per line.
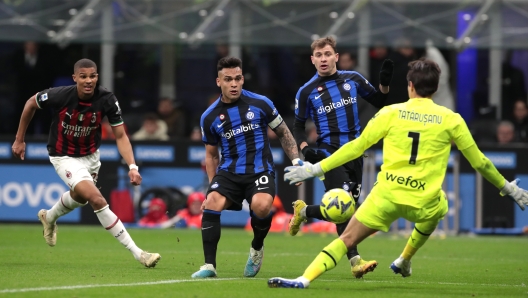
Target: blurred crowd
(276,72)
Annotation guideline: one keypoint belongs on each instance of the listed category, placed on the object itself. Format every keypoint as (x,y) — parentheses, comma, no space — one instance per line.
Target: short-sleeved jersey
(331,102)
(76,125)
(417,138)
(240,129)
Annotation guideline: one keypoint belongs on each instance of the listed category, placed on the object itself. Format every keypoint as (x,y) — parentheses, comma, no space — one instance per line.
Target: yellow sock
(419,236)
(326,259)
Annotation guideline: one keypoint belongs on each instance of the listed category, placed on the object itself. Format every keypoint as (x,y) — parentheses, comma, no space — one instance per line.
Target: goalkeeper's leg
(327,259)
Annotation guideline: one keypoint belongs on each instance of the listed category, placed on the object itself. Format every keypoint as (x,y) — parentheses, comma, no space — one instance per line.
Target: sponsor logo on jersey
(335,105)
(94,117)
(77,130)
(407,181)
(346,186)
(68,174)
(346,86)
(241,129)
(215,185)
(250,115)
(43,97)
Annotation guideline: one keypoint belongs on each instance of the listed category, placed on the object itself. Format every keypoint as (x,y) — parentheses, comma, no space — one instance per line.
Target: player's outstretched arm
(486,168)
(19,146)
(125,149)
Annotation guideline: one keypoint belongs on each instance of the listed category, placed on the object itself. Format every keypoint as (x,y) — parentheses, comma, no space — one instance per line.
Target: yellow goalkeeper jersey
(417,141)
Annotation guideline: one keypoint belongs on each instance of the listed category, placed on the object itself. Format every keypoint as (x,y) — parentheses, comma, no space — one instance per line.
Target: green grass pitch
(88,262)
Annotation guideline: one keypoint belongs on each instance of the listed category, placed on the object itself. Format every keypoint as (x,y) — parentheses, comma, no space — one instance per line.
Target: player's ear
(74,78)
(312,59)
(337,56)
(218,82)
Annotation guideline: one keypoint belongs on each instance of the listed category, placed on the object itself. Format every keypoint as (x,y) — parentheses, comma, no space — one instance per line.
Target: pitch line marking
(174,281)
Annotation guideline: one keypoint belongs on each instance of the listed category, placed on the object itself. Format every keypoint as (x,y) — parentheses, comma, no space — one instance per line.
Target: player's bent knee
(215,201)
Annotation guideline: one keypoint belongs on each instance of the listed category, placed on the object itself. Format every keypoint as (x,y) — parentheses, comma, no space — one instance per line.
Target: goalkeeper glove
(312,155)
(385,75)
(306,170)
(519,195)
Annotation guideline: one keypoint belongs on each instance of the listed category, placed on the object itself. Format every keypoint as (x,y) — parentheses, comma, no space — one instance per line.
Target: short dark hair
(322,42)
(84,63)
(425,75)
(150,117)
(228,62)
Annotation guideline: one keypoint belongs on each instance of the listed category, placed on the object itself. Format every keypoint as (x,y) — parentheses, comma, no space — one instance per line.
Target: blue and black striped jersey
(331,102)
(241,131)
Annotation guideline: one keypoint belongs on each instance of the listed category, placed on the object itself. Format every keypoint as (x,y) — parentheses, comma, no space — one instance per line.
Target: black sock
(261,227)
(314,211)
(352,252)
(210,235)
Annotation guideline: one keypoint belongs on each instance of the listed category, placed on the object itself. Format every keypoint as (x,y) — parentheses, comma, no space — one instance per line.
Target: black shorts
(347,176)
(240,187)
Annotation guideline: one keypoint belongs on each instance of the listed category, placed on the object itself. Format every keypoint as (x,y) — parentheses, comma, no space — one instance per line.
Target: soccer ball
(337,206)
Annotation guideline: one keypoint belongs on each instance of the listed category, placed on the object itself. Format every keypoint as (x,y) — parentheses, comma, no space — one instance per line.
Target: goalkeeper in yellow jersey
(417,139)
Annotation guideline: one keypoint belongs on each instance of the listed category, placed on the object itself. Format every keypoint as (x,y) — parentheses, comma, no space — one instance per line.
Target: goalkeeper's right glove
(306,170)
(519,195)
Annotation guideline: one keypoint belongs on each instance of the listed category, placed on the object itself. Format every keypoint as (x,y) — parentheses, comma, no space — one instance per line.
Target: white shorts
(73,170)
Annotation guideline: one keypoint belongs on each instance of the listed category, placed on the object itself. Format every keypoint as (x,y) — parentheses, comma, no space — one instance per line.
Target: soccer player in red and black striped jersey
(74,140)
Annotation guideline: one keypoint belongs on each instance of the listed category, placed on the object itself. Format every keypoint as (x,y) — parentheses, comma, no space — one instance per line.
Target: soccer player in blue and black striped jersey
(330,100)
(237,123)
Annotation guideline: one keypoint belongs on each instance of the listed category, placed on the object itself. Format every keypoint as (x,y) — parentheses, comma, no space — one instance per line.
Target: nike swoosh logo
(221,124)
(317,97)
(261,188)
(207,228)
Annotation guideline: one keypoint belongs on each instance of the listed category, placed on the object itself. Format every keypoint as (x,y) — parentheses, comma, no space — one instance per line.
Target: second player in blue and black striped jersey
(330,100)
(236,124)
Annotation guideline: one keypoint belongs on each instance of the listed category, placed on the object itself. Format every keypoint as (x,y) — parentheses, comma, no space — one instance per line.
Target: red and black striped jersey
(76,126)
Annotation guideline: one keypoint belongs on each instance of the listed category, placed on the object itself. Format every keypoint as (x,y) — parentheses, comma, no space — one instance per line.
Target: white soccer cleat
(206,271)
(149,260)
(50,231)
(401,266)
(254,262)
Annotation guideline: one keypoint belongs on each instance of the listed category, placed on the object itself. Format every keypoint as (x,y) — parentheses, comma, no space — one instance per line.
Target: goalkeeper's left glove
(306,170)
(519,195)
(385,75)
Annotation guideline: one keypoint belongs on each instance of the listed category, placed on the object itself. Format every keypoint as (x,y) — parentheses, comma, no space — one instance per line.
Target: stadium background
(152,49)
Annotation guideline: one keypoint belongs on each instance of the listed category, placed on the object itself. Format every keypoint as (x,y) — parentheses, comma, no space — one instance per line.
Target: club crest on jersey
(68,174)
(81,117)
(222,117)
(215,185)
(346,86)
(320,88)
(250,115)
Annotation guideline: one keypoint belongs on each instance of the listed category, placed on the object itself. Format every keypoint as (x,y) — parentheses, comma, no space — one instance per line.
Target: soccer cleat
(254,262)
(297,219)
(50,231)
(401,266)
(207,270)
(149,260)
(278,282)
(361,267)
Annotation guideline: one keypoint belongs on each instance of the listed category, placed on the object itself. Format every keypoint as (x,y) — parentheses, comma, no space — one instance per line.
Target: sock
(314,211)
(353,251)
(261,227)
(210,235)
(64,205)
(112,224)
(419,236)
(326,260)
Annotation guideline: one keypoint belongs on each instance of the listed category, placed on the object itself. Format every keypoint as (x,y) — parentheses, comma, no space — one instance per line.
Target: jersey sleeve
(209,135)
(272,115)
(460,132)
(376,129)
(301,105)
(113,111)
(363,86)
(49,98)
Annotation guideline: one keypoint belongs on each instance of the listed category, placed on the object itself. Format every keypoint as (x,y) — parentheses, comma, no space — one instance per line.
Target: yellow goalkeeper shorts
(379,212)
